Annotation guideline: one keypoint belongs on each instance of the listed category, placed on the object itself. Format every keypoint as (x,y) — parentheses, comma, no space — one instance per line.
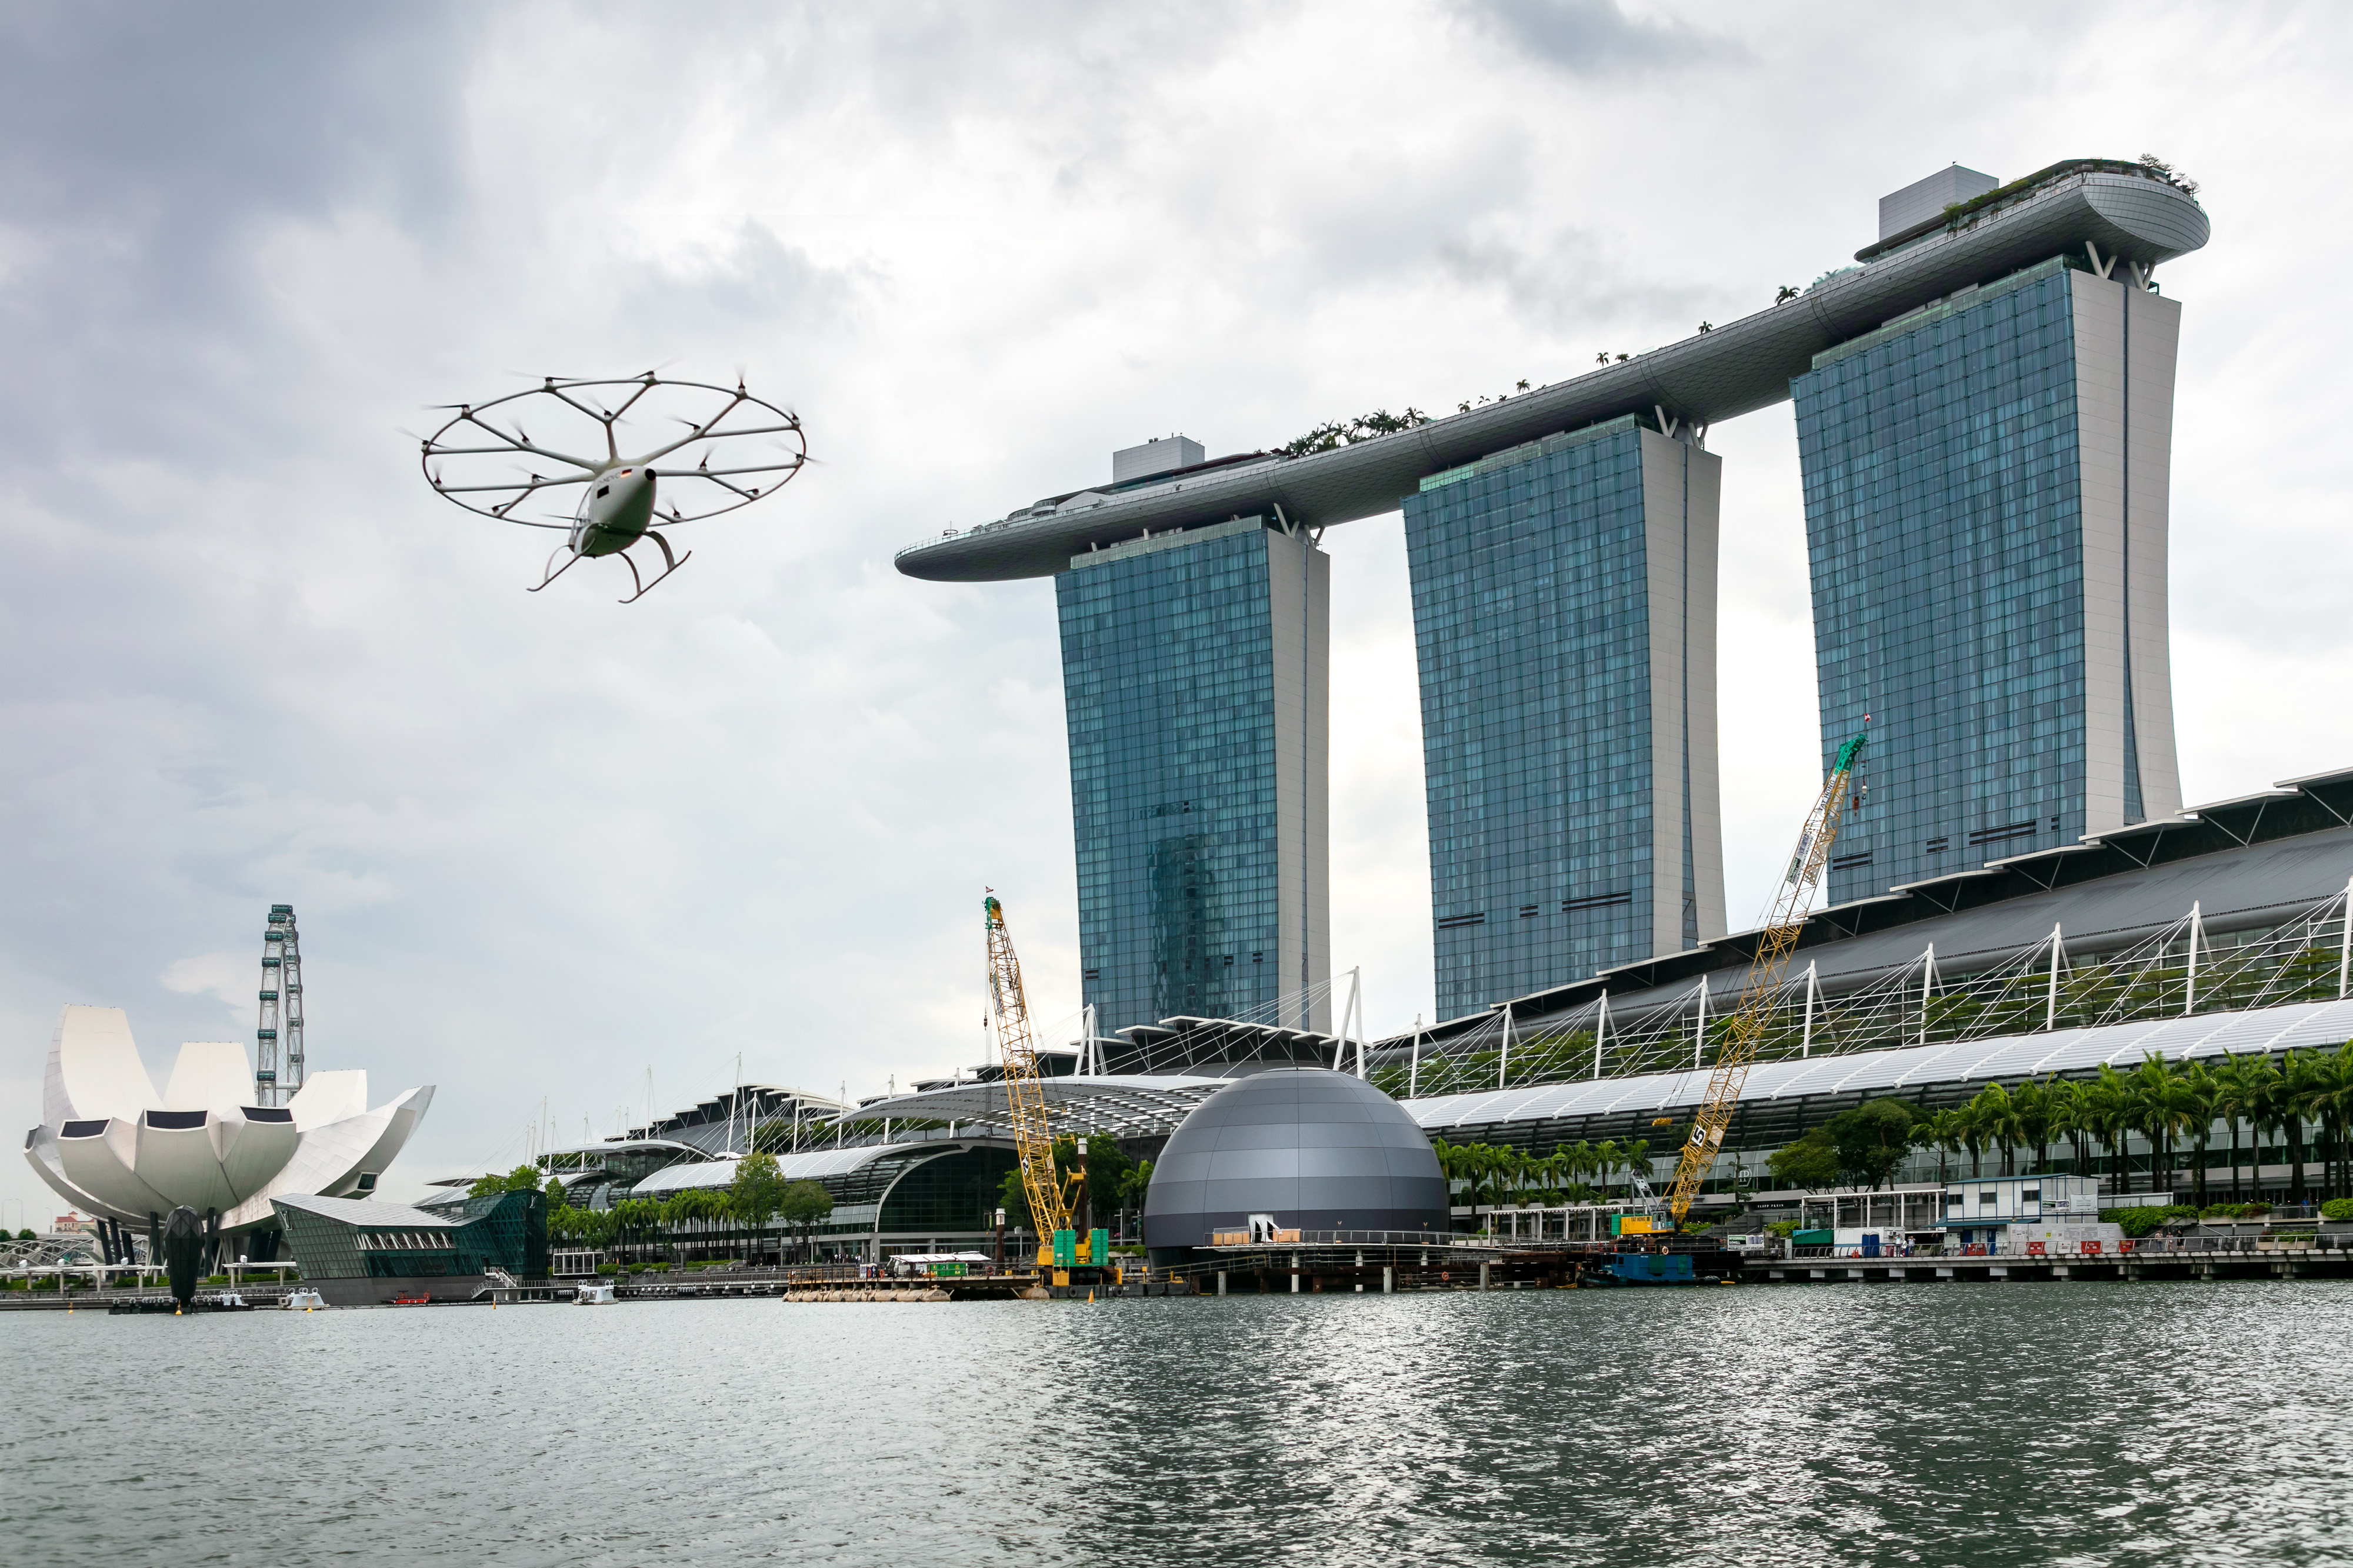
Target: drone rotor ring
(473,459)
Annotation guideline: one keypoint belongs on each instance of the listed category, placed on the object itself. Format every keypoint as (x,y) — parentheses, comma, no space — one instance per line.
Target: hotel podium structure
(1984,404)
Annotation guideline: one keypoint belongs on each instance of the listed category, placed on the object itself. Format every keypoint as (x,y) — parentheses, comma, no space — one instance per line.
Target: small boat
(597,1295)
(411,1301)
(305,1300)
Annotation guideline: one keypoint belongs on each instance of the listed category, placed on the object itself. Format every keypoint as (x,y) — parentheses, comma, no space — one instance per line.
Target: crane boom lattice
(1025,1095)
(1745,1027)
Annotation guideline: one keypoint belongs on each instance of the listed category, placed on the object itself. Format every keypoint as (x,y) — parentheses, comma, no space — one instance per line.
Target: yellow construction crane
(1025,1096)
(1746,1026)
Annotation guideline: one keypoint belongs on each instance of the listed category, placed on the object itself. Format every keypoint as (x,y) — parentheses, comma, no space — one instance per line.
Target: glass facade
(1564,621)
(341,1238)
(953,1193)
(1945,489)
(1193,669)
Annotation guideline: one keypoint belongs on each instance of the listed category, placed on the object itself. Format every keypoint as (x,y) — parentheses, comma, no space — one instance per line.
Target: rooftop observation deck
(2127,216)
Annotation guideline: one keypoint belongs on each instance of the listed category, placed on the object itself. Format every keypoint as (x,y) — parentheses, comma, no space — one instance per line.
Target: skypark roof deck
(2112,215)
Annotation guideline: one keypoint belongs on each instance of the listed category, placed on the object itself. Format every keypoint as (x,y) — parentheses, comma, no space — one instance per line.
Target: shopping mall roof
(810,1166)
(1116,1105)
(2244,862)
(2129,216)
(1482,1117)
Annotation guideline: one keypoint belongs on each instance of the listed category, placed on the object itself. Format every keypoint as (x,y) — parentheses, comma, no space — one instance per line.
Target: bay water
(2068,1423)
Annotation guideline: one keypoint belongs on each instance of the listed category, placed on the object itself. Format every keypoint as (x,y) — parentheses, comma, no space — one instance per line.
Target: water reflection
(2078,1424)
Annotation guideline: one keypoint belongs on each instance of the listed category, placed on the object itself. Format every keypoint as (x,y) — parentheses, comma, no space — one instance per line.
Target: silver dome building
(1312,1149)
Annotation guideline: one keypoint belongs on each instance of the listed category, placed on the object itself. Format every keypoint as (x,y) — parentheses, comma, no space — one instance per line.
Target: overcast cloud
(540,845)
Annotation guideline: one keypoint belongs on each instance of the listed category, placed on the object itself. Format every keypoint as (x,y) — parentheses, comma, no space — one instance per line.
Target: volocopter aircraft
(622,498)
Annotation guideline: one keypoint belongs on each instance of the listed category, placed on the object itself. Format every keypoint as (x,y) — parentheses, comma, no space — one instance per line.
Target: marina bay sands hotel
(1984,409)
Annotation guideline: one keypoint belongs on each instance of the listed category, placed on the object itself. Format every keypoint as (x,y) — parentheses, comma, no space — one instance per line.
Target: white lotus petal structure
(112,1147)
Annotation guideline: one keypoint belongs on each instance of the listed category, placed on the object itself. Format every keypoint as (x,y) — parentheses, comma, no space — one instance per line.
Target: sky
(561,858)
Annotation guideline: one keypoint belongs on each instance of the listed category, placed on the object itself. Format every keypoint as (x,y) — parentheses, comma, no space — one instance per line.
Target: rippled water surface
(2031,1424)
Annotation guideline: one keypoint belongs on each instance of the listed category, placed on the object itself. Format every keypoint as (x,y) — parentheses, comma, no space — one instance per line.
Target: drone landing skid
(669,565)
(553,571)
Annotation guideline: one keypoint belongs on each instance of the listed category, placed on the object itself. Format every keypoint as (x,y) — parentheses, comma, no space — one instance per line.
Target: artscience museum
(116,1149)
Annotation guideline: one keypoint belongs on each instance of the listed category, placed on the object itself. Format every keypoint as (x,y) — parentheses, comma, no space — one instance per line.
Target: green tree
(2267,1111)
(1013,1197)
(2238,1091)
(1106,1176)
(1873,1139)
(2107,1103)
(1812,1162)
(2159,1111)
(804,1204)
(1940,1131)
(2332,1106)
(2199,1094)
(1969,1134)
(521,1179)
(2302,1087)
(2067,1122)
(1997,1117)
(2030,1102)
(757,1192)
(1136,1187)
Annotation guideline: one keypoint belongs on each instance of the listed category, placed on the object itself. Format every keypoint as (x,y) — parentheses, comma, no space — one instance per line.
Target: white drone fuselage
(617,510)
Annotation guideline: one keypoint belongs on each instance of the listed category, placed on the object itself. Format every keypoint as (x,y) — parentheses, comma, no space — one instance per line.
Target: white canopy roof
(2012,1056)
(1118,1104)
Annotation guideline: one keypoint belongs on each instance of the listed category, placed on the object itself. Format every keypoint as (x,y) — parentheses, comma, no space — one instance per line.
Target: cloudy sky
(542,847)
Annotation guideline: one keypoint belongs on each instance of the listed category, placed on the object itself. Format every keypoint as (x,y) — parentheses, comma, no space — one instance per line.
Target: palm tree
(1606,1161)
(2199,1090)
(1969,1133)
(2030,1102)
(1998,1121)
(1637,1161)
(2067,1120)
(1940,1131)
(2332,1103)
(2107,1113)
(2157,1113)
(2264,1111)
(2237,1092)
(2302,1088)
